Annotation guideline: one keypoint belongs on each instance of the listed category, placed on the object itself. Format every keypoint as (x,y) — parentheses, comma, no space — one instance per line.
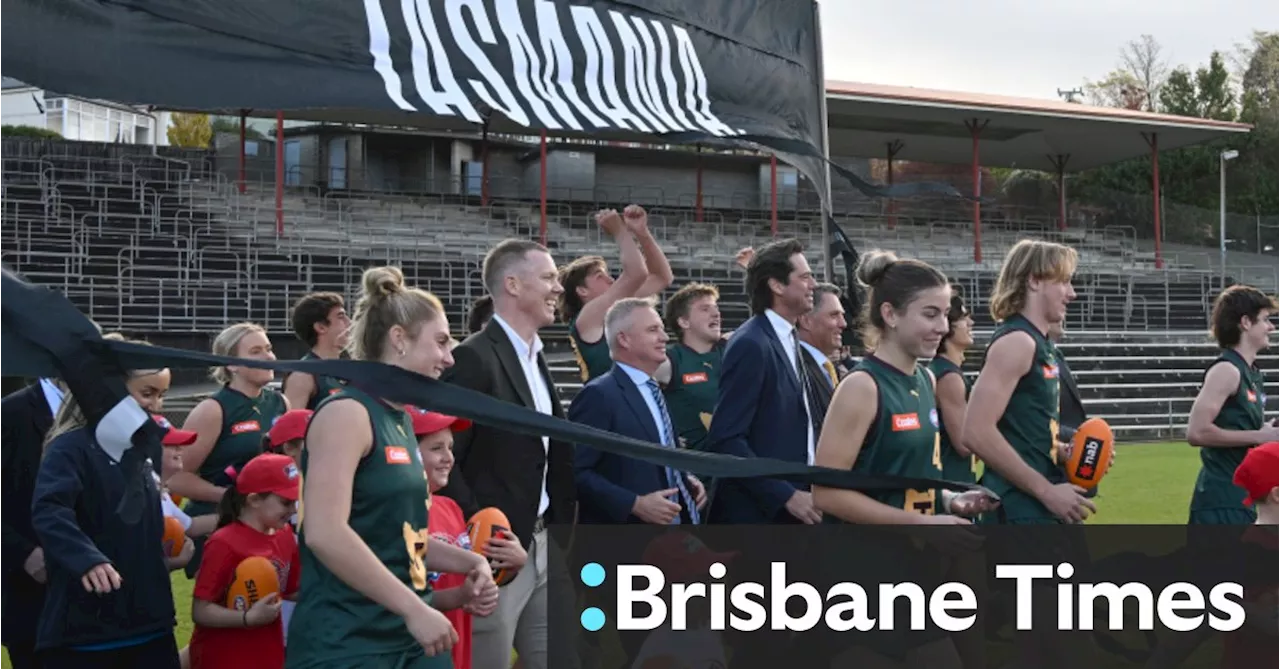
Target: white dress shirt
(787,335)
(642,384)
(52,395)
(528,356)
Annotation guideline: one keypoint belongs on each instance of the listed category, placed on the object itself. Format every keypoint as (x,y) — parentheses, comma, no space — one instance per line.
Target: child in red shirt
(445,523)
(253,520)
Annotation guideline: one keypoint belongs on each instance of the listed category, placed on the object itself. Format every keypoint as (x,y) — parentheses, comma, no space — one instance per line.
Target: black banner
(683,71)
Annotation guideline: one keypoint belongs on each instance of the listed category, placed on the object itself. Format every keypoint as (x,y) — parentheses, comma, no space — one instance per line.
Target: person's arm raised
(590,321)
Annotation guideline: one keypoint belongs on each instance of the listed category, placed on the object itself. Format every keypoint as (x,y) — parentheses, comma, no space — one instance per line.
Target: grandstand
(169,248)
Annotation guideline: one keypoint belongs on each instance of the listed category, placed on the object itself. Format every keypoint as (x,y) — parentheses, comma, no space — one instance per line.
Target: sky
(1024,48)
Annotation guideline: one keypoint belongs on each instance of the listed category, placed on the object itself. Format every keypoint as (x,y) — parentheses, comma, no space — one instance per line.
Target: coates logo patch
(695,377)
(933,417)
(246,426)
(398,455)
(1051,371)
(903,422)
(1253,397)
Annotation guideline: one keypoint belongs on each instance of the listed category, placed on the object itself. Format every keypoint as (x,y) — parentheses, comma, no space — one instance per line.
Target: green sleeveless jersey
(955,467)
(1030,425)
(245,423)
(325,385)
(692,391)
(903,439)
(334,624)
(593,359)
(1241,411)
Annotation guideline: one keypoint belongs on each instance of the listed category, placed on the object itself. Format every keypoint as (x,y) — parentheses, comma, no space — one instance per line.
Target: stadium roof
(1020,132)
(930,124)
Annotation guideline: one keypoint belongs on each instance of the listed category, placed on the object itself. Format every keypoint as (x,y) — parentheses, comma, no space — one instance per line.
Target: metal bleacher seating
(170,250)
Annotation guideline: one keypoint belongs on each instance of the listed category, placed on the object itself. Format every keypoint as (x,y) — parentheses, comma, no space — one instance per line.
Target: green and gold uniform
(335,626)
(904,439)
(245,422)
(692,391)
(1216,500)
(593,359)
(1030,425)
(955,467)
(325,385)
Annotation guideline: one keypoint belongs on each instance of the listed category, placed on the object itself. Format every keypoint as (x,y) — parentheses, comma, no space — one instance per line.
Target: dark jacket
(494,467)
(24,418)
(74,515)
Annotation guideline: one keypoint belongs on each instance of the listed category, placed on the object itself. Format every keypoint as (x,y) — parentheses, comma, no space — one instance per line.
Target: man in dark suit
(629,401)
(763,408)
(25,417)
(529,478)
(820,336)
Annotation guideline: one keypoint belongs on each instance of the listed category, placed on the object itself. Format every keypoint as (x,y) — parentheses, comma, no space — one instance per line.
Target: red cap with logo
(429,422)
(268,473)
(680,554)
(1259,472)
(173,436)
(290,425)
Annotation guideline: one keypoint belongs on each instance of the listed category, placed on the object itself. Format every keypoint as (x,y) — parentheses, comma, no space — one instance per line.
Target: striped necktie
(674,478)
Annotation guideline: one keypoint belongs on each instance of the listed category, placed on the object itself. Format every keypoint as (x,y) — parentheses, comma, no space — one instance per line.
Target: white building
(78,118)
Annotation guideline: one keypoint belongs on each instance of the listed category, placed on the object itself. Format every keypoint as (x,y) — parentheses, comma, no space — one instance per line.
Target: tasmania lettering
(555,65)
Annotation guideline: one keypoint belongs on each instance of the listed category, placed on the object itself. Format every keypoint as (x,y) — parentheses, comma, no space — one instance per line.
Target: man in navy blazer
(613,489)
(763,409)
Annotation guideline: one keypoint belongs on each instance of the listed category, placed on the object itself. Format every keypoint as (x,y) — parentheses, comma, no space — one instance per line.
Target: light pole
(1222,213)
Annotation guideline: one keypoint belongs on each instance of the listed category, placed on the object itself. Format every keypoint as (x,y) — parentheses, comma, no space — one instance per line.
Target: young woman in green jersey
(366,554)
(1012,418)
(958,462)
(883,420)
(589,290)
(231,424)
(1227,417)
(320,321)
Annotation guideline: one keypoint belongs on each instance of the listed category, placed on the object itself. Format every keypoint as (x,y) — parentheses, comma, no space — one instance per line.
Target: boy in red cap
(1259,475)
(253,520)
(445,523)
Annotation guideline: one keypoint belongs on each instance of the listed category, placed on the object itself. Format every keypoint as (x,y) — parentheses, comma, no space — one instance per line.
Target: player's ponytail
(232,504)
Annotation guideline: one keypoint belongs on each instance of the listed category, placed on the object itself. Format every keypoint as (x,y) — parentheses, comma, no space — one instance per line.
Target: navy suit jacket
(760,413)
(608,484)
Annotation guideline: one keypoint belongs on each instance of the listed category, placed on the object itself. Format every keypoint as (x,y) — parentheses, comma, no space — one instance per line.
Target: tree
(1213,89)
(1142,60)
(190,130)
(1178,96)
(1119,89)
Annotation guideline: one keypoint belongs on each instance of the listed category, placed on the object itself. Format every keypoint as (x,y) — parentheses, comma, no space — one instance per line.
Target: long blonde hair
(1029,259)
(70,416)
(226,344)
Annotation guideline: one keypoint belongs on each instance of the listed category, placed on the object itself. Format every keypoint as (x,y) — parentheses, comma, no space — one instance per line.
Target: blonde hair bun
(382,282)
(874,265)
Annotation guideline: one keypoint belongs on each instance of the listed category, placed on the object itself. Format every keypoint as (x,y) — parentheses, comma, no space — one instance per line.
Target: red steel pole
(892,151)
(1155,193)
(697,204)
(279,173)
(773,195)
(975,129)
(542,188)
(243,114)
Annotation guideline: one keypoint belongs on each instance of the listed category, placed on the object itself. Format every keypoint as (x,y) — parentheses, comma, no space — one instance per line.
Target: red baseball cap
(174,436)
(678,552)
(429,422)
(269,473)
(1259,473)
(290,425)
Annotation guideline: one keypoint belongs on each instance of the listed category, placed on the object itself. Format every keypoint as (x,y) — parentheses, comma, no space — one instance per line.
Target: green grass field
(1150,484)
